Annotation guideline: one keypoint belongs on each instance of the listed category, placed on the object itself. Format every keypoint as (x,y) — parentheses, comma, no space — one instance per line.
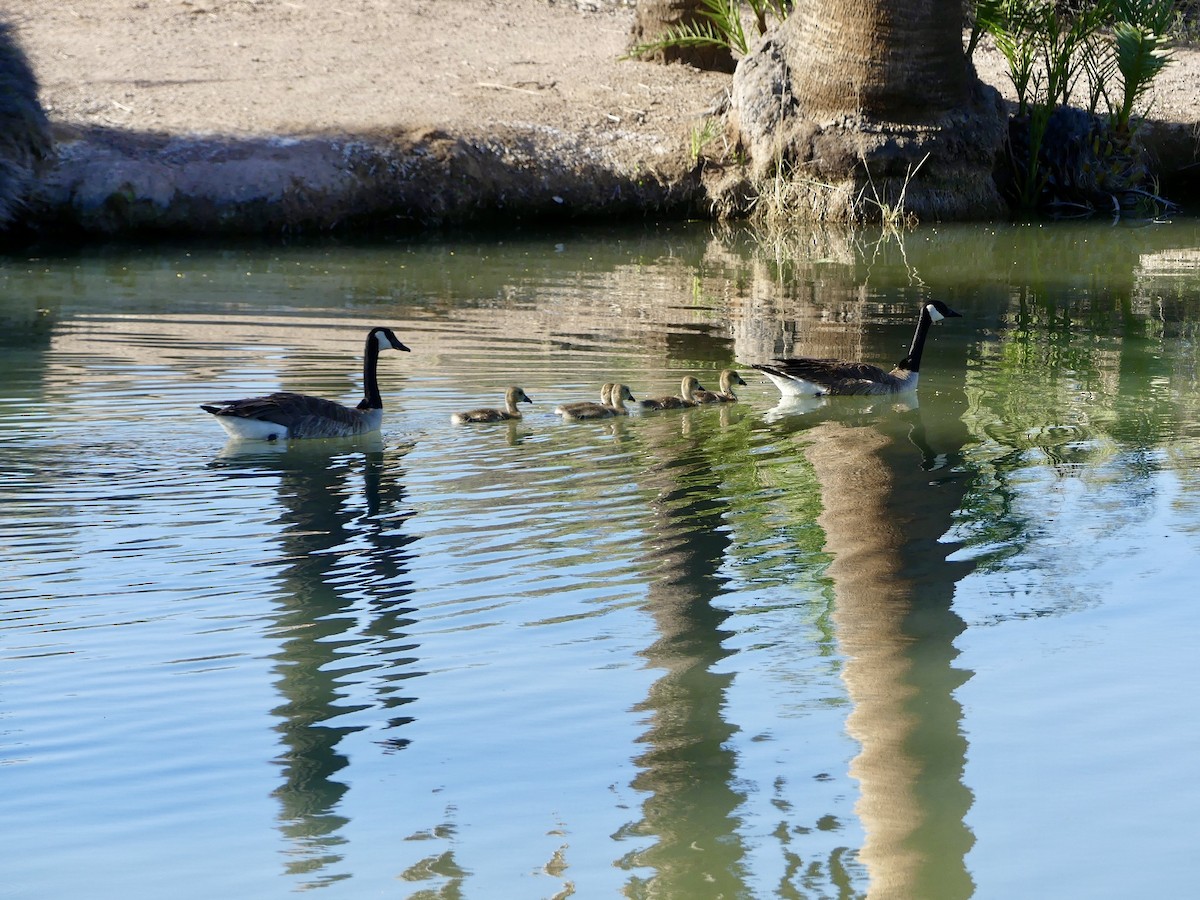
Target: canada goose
(287,415)
(728,379)
(686,398)
(805,376)
(564,409)
(615,406)
(512,397)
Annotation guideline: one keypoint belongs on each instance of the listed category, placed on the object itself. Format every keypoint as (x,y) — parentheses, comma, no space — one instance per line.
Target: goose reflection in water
(840,408)
(341,509)
(793,405)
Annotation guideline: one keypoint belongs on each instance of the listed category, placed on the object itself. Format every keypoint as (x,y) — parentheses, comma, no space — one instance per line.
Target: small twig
(505,87)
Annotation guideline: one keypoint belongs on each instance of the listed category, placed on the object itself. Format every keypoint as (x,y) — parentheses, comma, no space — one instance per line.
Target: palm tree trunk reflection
(687,767)
(889,494)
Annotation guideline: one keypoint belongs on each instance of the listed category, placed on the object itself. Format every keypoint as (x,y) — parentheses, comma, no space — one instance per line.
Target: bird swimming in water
(815,377)
(565,409)
(725,395)
(614,405)
(687,391)
(512,397)
(289,415)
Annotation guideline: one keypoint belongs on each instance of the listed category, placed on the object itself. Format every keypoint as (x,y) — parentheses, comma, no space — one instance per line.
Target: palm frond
(693,34)
(1140,57)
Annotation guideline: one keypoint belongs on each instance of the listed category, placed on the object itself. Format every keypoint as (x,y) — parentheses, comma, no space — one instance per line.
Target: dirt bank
(225,115)
(266,114)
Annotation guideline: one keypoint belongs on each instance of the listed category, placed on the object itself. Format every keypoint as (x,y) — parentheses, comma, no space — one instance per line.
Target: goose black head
(387,340)
(937,310)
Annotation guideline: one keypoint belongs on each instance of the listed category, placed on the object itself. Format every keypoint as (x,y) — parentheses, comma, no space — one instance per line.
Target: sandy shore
(206,114)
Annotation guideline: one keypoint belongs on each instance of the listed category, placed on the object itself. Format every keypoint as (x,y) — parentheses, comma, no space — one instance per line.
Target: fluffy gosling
(687,393)
(512,397)
(725,395)
(615,406)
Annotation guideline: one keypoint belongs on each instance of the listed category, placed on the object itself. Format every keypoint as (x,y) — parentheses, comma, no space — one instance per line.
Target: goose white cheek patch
(933,313)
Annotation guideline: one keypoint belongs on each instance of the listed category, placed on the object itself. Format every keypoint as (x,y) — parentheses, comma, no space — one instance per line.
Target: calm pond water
(942,649)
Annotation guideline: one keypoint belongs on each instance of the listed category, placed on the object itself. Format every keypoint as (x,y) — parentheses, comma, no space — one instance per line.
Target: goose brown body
(568,409)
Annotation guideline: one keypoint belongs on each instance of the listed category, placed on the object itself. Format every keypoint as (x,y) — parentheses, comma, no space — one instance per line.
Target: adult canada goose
(809,377)
(512,397)
(686,398)
(287,415)
(725,395)
(564,409)
(617,395)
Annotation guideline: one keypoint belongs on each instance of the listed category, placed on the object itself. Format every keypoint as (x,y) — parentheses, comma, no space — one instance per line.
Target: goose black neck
(912,362)
(371,396)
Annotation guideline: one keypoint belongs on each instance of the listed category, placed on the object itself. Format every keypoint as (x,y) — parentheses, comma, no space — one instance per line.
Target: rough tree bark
(852,107)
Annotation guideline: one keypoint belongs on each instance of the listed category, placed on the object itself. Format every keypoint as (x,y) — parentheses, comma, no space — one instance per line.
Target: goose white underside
(252,429)
(248,429)
(798,387)
(795,387)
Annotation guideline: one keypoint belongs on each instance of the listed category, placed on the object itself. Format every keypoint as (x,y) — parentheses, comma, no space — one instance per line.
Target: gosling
(567,409)
(615,406)
(725,395)
(512,397)
(687,396)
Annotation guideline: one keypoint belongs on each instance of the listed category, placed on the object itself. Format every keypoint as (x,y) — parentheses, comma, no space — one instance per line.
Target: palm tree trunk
(897,60)
(864,106)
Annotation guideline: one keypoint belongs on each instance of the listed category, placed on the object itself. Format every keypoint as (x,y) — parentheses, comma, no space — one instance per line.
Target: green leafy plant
(1185,22)
(1113,49)
(1139,58)
(703,135)
(721,26)
(1046,52)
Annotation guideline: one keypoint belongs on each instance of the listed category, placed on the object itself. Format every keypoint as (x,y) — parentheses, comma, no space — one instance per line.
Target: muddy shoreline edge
(108,183)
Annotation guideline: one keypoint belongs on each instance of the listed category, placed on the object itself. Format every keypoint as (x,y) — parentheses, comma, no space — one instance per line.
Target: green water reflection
(744,641)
